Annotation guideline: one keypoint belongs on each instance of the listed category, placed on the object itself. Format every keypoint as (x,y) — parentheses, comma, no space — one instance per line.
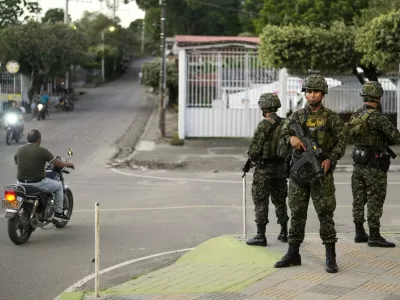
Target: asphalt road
(142,213)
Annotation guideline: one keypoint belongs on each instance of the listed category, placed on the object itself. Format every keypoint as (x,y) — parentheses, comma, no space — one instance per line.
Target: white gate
(219,92)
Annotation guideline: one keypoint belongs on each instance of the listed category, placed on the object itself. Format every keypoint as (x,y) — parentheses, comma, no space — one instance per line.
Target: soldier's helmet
(268,101)
(315,82)
(372,89)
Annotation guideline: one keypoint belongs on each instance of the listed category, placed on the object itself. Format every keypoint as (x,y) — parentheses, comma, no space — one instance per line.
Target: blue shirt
(44,99)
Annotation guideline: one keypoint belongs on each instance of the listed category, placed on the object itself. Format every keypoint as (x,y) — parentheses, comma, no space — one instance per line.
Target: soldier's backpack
(276,149)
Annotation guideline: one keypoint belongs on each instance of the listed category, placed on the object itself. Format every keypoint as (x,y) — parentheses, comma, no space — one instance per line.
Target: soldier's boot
(259,239)
(291,258)
(283,235)
(361,236)
(330,262)
(376,240)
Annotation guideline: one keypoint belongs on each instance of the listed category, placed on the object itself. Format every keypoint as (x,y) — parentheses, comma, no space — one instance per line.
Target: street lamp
(111,29)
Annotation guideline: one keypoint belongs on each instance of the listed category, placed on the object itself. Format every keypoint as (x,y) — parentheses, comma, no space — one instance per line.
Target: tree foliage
(42,50)
(379,41)
(54,15)
(308,12)
(300,48)
(151,77)
(11,11)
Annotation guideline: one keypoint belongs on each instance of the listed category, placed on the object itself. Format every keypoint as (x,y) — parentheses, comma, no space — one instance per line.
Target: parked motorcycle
(66,104)
(12,130)
(28,208)
(42,111)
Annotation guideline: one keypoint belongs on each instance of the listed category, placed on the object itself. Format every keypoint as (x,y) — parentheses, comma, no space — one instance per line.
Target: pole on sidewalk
(244,207)
(66,21)
(162,70)
(97,248)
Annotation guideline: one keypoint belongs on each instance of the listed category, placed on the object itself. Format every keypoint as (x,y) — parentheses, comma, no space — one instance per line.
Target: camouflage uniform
(370,131)
(328,131)
(269,178)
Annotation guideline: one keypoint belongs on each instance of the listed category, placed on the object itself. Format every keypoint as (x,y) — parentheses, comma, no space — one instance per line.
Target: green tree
(118,44)
(11,11)
(300,48)
(379,41)
(54,15)
(37,48)
(308,12)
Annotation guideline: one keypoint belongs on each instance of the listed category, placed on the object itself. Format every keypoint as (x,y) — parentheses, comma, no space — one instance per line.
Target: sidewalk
(212,155)
(225,268)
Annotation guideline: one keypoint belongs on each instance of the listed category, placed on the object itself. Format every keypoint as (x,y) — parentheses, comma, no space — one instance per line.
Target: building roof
(194,40)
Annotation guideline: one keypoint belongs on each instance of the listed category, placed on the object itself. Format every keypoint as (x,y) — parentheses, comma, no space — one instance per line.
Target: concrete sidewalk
(214,155)
(226,268)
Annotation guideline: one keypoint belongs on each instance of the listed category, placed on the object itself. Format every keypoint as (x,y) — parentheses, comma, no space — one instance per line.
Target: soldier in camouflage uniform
(371,133)
(269,178)
(327,130)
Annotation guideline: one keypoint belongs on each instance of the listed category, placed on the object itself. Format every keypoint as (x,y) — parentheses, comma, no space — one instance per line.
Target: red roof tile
(200,39)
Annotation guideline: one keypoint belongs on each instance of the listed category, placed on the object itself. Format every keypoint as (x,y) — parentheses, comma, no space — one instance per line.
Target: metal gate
(222,92)
(10,88)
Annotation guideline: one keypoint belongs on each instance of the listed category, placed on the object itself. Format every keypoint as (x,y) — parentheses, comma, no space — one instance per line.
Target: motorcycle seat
(33,191)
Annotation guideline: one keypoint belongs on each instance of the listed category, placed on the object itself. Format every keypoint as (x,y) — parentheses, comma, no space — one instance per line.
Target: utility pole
(114,8)
(66,21)
(162,70)
(143,31)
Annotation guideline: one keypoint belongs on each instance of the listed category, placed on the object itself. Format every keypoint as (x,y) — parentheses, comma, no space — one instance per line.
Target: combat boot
(283,235)
(361,236)
(330,263)
(259,239)
(291,258)
(376,240)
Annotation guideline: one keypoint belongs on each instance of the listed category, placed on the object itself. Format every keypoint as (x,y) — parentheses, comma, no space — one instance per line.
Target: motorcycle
(66,104)
(28,208)
(12,130)
(42,111)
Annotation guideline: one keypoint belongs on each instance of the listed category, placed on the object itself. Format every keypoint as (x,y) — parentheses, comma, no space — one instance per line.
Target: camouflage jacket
(260,137)
(334,125)
(378,124)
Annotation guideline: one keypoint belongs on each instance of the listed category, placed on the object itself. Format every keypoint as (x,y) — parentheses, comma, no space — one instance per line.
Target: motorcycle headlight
(40,106)
(11,119)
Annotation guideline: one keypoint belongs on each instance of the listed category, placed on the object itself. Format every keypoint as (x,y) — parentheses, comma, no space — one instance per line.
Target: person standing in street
(326,130)
(269,177)
(371,133)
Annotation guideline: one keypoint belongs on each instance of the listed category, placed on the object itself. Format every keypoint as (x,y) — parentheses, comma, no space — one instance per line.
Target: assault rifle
(310,155)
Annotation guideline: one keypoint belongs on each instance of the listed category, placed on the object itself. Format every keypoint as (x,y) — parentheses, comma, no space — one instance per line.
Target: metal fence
(219,92)
(344,93)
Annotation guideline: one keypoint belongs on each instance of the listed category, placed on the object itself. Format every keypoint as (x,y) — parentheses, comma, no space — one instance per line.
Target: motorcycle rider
(19,113)
(44,99)
(31,160)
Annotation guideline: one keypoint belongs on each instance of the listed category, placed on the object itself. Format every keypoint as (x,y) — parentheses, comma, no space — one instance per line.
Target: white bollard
(97,248)
(244,207)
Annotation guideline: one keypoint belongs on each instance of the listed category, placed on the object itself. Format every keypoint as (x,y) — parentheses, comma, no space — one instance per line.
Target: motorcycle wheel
(71,107)
(68,207)
(14,225)
(9,137)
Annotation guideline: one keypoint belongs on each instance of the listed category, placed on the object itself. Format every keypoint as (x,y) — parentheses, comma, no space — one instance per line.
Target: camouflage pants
(369,187)
(263,187)
(324,201)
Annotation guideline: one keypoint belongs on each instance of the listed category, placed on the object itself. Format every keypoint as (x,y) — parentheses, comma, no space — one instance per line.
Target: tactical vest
(271,149)
(319,128)
(360,132)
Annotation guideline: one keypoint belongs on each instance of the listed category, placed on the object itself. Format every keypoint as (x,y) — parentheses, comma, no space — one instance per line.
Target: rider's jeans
(51,186)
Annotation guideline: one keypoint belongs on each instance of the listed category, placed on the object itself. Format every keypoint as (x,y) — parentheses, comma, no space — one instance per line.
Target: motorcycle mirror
(70,152)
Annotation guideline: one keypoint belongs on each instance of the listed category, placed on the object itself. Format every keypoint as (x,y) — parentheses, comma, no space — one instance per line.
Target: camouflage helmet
(315,82)
(269,100)
(372,89)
